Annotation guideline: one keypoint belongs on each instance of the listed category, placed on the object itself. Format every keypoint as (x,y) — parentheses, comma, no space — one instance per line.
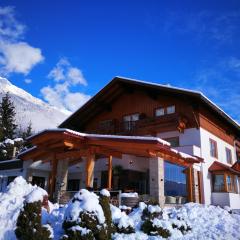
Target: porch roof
(221,167)
(65,143)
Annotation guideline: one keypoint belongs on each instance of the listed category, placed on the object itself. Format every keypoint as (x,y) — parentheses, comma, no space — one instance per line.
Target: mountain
(31,109)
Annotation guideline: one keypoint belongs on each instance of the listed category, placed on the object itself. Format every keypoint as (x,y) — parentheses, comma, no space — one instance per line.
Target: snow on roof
(102,135)
(27,150)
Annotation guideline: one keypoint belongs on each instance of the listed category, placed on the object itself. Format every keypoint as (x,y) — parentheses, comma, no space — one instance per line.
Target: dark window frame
(215,153)
(228,152)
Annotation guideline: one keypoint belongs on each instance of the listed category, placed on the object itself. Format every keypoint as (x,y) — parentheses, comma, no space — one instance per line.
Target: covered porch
(127,163)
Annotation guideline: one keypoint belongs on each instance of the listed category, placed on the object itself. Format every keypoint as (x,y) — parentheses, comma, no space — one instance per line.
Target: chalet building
(166,143)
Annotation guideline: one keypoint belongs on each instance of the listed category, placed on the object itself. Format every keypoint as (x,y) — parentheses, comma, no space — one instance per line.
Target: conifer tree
(7,118)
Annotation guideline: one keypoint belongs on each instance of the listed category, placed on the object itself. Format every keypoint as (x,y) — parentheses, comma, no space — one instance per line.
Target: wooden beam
(52,177)
(190,184)
(109,172)
(90,170)
(75,161)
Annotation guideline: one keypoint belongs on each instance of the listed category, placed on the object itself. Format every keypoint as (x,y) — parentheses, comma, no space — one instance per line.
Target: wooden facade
(104,113)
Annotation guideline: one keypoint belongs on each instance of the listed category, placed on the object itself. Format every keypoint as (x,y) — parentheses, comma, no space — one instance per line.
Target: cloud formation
(16,55)
(65,76)
(219,82)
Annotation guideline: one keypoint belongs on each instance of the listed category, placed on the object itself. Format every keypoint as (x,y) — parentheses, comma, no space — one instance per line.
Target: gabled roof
(113,90)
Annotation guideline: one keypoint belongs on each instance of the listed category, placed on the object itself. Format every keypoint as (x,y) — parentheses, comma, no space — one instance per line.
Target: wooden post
(90,170)
(52,177)
(109,172)
(190,183)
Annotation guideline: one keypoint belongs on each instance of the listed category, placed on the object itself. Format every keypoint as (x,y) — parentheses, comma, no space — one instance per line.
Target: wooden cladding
(212,125)
(140,102)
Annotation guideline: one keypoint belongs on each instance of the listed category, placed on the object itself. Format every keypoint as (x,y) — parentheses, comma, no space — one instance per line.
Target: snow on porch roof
(158,143)
(218,166)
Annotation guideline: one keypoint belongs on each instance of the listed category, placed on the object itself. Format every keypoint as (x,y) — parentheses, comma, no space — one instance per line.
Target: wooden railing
(130,127)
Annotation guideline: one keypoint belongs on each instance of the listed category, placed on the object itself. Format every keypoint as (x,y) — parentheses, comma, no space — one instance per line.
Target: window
(224,182)
(213,148)
(230,180)
(159,112)
(175,182)
(171,109)
(39,181)
(174,141)
(229,155)
(218,183)
(129,121)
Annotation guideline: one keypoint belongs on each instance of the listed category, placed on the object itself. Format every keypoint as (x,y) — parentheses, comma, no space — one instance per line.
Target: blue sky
(65,51)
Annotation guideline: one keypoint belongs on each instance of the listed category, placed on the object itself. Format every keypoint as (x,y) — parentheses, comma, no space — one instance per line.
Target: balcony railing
(132,127)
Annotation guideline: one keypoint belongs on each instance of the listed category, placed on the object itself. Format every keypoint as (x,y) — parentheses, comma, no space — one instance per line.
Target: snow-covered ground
(206,222)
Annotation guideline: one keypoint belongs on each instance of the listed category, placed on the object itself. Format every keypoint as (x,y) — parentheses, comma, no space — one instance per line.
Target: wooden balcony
(147,125)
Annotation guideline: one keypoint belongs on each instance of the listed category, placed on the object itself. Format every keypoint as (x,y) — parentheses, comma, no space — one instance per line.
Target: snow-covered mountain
(31,109)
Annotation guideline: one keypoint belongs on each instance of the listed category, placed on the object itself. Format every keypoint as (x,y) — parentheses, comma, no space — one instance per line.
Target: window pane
(229,155)
(171,109)
(218,183)
(174,182)
(213,148)
(174,141)
(135,117)
(127,118)
(230,183)
(159,112)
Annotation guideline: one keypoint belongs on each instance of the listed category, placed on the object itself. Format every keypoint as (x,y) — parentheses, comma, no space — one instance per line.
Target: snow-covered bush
(84,218)
(125,224)
(149,226)
(104,201)
(29,223)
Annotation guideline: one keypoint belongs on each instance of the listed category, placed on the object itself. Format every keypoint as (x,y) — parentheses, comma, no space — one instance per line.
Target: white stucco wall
(208,160)
(226,199)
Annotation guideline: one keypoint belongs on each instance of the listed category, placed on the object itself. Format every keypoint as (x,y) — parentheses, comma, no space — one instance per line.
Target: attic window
(161,111)
(171,109)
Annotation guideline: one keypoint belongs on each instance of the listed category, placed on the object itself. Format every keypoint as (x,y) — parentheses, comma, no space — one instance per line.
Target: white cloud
(74,100)
(65,76)
(19,57)
(16,56)
(220,82)
(28,80)
(63,71)
(76,77)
